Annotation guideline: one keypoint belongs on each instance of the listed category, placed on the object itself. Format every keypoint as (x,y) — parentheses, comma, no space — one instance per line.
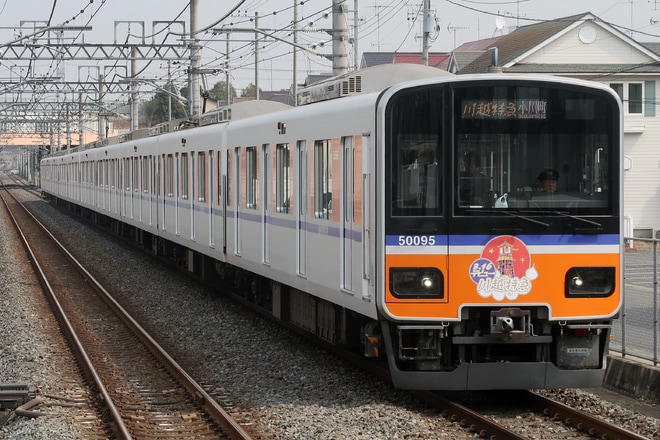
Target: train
(399,211)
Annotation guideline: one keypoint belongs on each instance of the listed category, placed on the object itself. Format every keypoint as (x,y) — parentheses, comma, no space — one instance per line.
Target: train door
(365,207)
(237,185)
(140,188)
(226,199)
(301,212)
(347,213)
(152,189)
(212,197)
(122,185)
(265,221)
(165,187)
(114,192)
(155,190)
(177,182)
(136,195)
(194,170)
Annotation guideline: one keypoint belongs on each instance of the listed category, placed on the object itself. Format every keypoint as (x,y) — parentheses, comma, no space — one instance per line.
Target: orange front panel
(531,278)
(548,288)
(432,308)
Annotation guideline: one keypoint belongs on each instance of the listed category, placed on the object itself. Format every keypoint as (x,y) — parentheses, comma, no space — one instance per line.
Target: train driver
(548,179)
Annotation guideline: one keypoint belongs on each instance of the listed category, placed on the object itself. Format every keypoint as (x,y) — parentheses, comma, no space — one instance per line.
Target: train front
(502,255)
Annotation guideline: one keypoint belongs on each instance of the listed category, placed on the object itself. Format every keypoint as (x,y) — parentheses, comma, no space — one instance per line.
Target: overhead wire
(244,52)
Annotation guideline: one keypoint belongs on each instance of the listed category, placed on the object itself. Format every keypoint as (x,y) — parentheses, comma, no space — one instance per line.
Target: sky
(383,25)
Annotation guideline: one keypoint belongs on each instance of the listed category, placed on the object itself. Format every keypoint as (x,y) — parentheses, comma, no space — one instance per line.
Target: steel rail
(219,415)
(593,426)
(74,342)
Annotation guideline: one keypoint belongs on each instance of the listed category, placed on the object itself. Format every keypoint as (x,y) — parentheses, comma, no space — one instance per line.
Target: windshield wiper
(538,222)
(595,225)
(511,214)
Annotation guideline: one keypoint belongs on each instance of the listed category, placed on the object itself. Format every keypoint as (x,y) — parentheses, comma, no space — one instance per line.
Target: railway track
(470,419)
(141,390)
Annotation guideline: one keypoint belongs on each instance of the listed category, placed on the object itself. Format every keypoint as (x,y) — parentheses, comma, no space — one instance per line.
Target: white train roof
(369,80)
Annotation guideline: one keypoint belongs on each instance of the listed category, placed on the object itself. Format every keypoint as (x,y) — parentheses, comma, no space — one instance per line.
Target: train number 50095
(416,240)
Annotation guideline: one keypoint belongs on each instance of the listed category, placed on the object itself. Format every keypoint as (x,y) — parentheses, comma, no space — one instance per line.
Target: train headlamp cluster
(416,282)
(590,281)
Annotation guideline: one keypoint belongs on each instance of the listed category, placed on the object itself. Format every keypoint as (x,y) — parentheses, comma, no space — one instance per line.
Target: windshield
(531,148)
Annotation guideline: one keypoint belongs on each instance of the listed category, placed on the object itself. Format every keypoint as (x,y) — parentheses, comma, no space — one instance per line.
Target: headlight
(590,281)
(416,282)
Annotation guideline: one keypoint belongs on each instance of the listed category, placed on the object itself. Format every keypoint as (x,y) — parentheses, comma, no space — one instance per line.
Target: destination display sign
(504,109)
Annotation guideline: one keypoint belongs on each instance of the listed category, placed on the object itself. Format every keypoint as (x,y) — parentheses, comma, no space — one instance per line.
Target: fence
(635,331)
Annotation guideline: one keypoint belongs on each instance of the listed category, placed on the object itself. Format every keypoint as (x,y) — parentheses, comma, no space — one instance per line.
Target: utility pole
(134,91)
(80,119)
(256,57)
(356,55)
(339,37)
(227,75)
(294,90)
(100,101)
(170,89)
(195,59)
(426,32)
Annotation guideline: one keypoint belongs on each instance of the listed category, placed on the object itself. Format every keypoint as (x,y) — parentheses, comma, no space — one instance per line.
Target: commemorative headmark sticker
(504,270)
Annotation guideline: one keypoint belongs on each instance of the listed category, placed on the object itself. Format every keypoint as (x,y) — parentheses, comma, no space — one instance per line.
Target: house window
(631,94)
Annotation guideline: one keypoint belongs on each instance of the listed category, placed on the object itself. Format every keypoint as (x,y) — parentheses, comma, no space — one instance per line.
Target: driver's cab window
(531,171)
(526,149)
(416,154)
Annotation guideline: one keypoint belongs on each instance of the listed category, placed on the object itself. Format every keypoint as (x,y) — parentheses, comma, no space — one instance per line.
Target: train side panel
(310,239)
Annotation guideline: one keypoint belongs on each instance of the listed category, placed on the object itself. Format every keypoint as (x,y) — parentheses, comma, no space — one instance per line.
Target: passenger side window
(201,173)
(283,178)
(229,177)
(252,180)
(323,179)
(184,176)
(170,175)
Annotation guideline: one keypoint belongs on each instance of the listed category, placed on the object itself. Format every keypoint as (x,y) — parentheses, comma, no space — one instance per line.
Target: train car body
(409,222)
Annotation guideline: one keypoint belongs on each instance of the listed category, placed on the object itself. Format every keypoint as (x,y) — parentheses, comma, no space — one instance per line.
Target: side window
(252,181)
(238,174)
(229,177)
(219,179)
(145,174)
(201,176)
(184,176)
(283,178)
(415,154)
(349,181)
(323,179)
(136,175)
(127,174)
(170,175)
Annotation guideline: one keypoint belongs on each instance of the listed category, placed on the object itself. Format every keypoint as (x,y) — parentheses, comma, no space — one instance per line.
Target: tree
(251,90)
(157,110)
(219,91)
